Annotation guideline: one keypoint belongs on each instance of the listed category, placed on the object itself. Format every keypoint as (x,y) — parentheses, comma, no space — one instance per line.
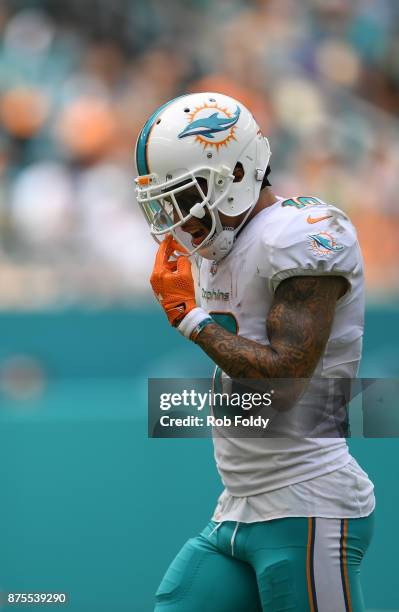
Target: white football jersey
(293,237)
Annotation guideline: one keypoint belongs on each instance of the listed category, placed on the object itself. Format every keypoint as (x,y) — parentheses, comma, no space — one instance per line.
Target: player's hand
(172,281)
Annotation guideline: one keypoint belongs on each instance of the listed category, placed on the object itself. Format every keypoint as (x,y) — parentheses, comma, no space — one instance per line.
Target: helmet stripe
(142,142)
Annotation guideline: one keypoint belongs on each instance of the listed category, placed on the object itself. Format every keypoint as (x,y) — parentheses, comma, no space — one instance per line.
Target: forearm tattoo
(298,326)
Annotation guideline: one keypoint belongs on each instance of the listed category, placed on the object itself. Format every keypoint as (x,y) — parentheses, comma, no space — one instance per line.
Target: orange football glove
(172,282)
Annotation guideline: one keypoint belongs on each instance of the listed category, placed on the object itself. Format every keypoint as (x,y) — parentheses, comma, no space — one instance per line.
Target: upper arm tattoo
(298,326)
(300,319)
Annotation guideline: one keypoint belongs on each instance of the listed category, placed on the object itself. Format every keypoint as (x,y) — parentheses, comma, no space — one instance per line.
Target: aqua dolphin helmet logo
(324,243)
(207,127)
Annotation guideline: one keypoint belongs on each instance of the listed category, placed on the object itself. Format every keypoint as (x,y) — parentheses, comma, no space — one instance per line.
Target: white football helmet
(186,154)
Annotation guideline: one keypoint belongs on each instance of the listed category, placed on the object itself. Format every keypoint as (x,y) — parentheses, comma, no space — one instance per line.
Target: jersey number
(301,202)
(228,321)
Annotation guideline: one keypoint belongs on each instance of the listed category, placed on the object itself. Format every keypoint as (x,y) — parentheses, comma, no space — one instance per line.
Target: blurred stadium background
(89,505)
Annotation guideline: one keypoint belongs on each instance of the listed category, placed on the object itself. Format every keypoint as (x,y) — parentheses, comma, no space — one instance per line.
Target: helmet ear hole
(238,172)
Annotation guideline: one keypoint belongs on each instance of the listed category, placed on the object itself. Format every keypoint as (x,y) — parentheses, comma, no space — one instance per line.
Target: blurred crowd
(78,80)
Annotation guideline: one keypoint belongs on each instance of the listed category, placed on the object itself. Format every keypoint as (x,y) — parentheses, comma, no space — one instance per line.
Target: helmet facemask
(186,207)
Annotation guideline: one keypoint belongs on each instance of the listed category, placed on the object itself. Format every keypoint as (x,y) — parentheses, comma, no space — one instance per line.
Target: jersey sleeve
(317,241)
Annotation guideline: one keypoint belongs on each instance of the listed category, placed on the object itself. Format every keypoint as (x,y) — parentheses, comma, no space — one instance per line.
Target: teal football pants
(296,564)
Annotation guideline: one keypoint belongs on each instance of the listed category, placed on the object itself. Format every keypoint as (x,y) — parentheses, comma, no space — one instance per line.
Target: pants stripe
(310,566)
(327,566)
(344,565)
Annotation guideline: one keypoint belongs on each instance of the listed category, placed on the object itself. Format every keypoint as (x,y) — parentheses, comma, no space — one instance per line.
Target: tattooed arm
(298,326)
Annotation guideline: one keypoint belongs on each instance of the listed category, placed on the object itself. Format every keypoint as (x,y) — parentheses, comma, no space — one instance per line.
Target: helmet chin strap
(223,239)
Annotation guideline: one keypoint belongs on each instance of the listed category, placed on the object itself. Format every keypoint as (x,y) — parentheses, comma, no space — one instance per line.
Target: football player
(270,288)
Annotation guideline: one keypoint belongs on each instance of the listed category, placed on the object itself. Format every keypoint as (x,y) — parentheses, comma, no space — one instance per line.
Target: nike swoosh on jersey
(317,219)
